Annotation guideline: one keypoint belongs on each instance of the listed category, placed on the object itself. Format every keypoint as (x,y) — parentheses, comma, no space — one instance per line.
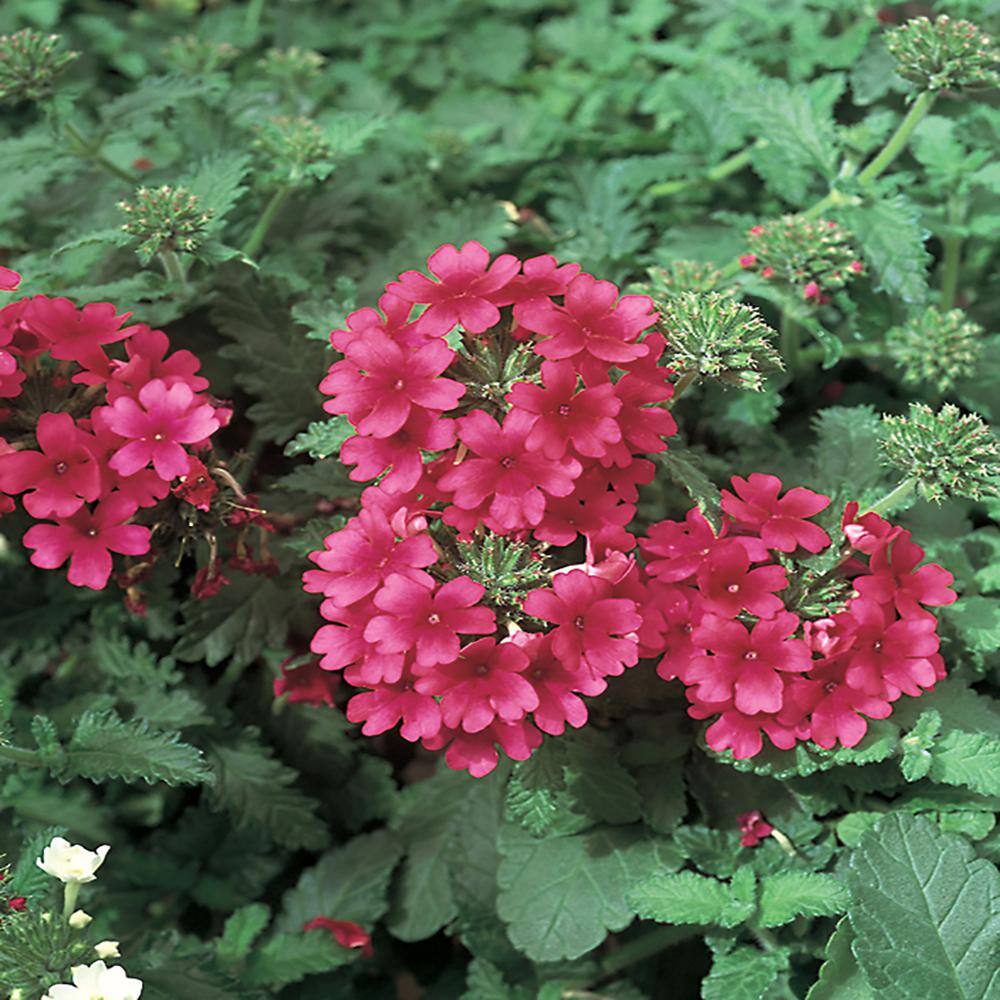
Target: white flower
(78,919)
(70,862)
(97,982)
(107,949)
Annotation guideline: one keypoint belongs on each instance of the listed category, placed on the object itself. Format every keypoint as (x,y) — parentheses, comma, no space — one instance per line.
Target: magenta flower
(540,278)
(503,470)
(378,383)
(77,335)
(556,687)
(148,360)
(781,522)
(564,416)
(895,578)
(358,558)
(729,585)
(733,730)
(674,550)
(465,292)
(753,828)
(484,683)
(477,753)
(393,321)
(390,704)
(307,683)
(593,629)
(426,620)
(9,280)
(746,666)
(87,538)
(60,477)
(643,424)
(342,644)
(157,425)
(590,322)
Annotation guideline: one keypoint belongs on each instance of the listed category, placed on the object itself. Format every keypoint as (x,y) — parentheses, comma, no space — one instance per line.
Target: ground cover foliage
(807,192)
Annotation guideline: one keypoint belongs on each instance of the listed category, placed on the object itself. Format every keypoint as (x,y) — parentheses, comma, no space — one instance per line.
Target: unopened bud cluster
(191,54)
(719,338)
(814,256)
(165,218)
(29,64)
(292,63)
(683,276)
(948,453)
(944,54)
(936,348)
(293,150)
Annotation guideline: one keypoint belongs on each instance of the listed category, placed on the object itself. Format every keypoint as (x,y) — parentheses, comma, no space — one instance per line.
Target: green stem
(645,946)
(683,384)
(174,269)
(918,111)
(865,350)
(19,756)
(88,150)
(731,165)
(251,21)
(894,497)
(271,209)
(71,891)
(789,334)
(951,264)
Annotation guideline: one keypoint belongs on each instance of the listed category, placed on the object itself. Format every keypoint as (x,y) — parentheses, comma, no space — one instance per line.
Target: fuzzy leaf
(322,438)
(926,913)
(595,777)
(970,759)
(743,974)
(240,932)
(688,898)
(787,895)
(839,975)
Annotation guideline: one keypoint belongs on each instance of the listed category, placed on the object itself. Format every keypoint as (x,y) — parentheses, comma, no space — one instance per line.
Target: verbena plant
(498,501)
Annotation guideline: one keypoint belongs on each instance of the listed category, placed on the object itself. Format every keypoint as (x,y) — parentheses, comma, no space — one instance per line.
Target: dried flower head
(165,218)
(814,256)
(944,54)
(936,348)
(293,151)
(683,276)
(29,64)
(718,338)
(948,453)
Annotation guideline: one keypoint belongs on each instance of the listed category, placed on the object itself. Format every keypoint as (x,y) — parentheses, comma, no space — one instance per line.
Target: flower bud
(79,919)
(70,862)
(107,949)
(165,218)
(944,54)
(935,348)
(29,64)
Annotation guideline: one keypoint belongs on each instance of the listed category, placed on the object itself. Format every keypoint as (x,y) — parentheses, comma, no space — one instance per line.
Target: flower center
(578,621)
(60,468)
(157,437)
(398,384)
(830,686)
(733,588)
(434,619)
(508,462)
(92,532)
(877,646)
(482,670)
(750,655)
(564,410)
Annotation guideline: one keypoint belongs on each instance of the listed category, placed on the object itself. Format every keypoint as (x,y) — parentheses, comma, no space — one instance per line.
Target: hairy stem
(682,385)
(897,143)
(19,756)
(271,209)
(894,497)
(731,165)
(174,269)
(789,344)
(88,150)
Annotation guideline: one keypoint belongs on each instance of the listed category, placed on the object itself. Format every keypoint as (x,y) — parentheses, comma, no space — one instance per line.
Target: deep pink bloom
(753,828)
(741,733)
(401,452)
(61,476)
(593,629)
(556,687)
(358,558)
(780,522)
(209,581)
(465,292)
(77,335)
(643,424)
(345,932)
(87,539)
(378,383)
(540,278)
(196,485)
(9,280)
(307,683)
(729,585)
(477,753)
(393,321)
(867,532)
(484,683)
(390,704)
(342,644)
(590,510)
(147,360)
(895,577)
(748,260)
(746,666)
(592,321)
(674,550)
(565,416)
(811,291)
(164,418)
(501,468)
(426,620)
(678,610)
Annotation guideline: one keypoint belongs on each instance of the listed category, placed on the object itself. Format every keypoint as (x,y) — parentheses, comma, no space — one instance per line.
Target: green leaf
(840,978)
(682,467)
(218,185)
(892,237)
(970,759)
(289,958)
(688,898)
(240,932)
(561,895)
(977,621)
(103,747)
(537,796)
(595,777)
(845,456)
(916,745)
(351,882)
(787,895)
(926,913)
(484,981)
(257,790)
(322,438)
(743,974)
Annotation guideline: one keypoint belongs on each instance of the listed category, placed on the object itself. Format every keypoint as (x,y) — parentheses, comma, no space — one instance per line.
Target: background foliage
(335,144)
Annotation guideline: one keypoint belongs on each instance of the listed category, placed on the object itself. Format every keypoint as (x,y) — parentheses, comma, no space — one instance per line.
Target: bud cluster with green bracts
(936,349)
(29,64)
(683,276)
(944,54)
(292,151)
(164,218)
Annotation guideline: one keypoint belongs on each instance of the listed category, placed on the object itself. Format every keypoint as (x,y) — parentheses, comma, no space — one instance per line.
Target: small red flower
(781,522)
(307,683)
(729,585)
(345,932)
(753,828)
(17,904)
(196,486)
(9,280)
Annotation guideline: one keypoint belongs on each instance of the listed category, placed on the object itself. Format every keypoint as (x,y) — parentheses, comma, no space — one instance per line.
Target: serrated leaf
(970,759)
(926,913)
(537,796)
(240,932)
(258,790)
(289,958)
(218,185)
(891,237)
(787,895)
(559,896)
(348,883)
(103,747)
(743,974)
(689,898)
(484,981)
(322,438)
(682,467)
(977,621)
(595,777)
(840,978)
(846,453)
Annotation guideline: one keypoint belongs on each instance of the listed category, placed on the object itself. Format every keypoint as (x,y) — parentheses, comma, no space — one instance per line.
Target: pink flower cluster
(519,403)
(736,630)
(98,421)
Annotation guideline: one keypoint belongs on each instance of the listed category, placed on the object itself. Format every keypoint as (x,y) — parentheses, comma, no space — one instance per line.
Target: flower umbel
(944,54)
(29,64)
(936,349)
(165,218)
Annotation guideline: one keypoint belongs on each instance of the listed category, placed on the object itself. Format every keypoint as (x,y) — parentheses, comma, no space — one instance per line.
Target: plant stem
(683,384)
(731,165)
(789,342)
(174,269)
(71,891)
(271,209)
(19,756)
(897,143)
(645,946)
(893,498)
(951,264)
(88,150)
